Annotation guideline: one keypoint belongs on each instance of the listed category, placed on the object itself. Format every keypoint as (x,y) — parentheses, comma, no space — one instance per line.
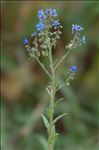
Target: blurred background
(23,82)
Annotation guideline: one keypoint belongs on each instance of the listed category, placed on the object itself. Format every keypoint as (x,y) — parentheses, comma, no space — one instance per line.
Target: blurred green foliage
(23,82)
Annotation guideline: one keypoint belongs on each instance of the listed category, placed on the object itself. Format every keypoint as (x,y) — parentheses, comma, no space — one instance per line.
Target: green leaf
(47,125)
(43,141)
(55,120)
(48,92)
(58,101)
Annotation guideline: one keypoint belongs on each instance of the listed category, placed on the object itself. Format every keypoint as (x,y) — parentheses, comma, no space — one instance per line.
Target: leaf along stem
(55,120)
(62,59)
(43,67)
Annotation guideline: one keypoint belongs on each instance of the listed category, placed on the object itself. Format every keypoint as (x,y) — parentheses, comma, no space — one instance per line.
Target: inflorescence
(78,39)
(71,74)
(48,30)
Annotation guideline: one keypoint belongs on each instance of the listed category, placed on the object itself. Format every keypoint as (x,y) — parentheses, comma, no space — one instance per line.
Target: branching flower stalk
(44,41)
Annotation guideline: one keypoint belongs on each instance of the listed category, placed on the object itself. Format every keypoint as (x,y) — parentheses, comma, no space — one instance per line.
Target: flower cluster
(47,31)
(44,16)
(78,39)
(76,28)
(75,42)
(48,12)
(51,12)
(71,74)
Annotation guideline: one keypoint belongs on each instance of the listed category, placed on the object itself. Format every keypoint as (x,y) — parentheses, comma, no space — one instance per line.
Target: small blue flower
(25,42)
(56,23)
(47,11)
(73,68)
(73,28)
(40,26)
(76,28)
(41,15)
(53,12)
(84,39)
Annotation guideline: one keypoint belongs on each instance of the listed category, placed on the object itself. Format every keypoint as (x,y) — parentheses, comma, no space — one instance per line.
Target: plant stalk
(52,100)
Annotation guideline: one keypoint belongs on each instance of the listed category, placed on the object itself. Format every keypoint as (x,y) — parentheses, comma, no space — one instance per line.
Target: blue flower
(41,15)
(84,39)
(53,12)
(76,28)
(56,23)
(73,68)
(25,42)
(73,28)
(47,11)
(40,26)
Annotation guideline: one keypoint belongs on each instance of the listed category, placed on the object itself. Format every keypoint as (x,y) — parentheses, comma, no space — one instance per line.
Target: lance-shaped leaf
(48,92)
(58,101)
(47,125)
(56,119)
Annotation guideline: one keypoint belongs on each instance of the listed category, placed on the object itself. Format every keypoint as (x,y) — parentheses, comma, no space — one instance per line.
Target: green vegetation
(23,82)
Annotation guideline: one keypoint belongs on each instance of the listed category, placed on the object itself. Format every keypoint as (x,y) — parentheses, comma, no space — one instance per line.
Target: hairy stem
(51,107)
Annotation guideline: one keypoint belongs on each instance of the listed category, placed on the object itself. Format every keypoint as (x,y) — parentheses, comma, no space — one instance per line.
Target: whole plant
(44,40)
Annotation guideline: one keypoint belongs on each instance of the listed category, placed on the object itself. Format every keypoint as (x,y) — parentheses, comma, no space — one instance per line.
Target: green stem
(52,126)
